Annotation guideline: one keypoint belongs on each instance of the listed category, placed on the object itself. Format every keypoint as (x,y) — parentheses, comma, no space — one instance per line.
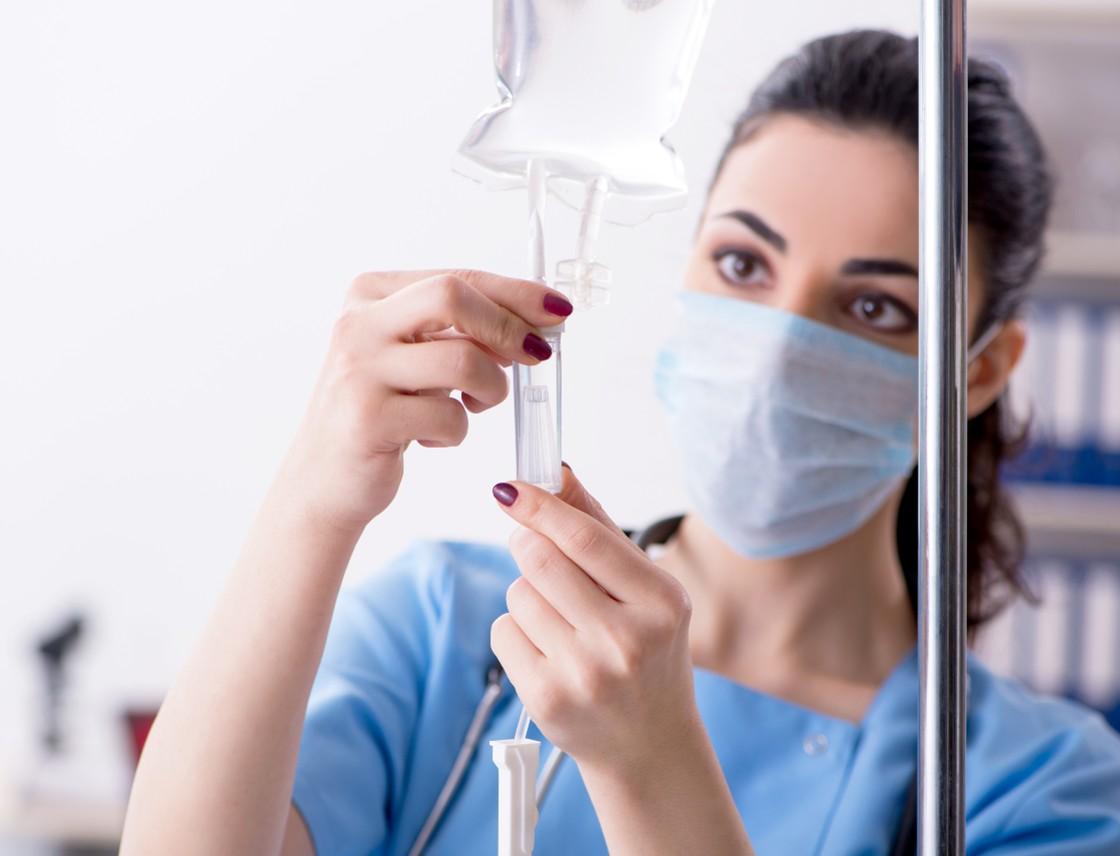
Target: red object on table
(139,724)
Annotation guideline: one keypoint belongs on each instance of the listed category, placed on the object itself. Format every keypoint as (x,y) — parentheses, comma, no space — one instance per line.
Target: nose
(804,293)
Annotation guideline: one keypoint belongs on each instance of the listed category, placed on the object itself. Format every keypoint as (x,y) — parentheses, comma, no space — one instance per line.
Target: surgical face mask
(792,433)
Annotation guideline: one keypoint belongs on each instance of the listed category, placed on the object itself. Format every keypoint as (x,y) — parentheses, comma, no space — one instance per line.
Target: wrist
(290,506)
(682,748)
(296,542)
(676,801)
(303,496)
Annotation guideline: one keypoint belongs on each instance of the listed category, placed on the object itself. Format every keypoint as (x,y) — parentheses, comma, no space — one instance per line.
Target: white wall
(185,191)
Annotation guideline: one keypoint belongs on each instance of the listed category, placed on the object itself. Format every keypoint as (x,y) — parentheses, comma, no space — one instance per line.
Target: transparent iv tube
(537,389)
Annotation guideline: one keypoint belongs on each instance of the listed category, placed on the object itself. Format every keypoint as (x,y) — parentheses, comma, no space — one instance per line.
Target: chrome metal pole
(941,434)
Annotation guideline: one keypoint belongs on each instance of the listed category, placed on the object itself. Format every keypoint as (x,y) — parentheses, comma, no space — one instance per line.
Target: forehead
(854,189)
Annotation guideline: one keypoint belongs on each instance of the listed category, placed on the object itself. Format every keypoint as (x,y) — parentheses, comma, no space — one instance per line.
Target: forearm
(216,772)
(675,803)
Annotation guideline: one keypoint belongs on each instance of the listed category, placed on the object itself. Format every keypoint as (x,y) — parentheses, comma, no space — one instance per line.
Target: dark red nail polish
(505,493)
(568,467)
(537,347)
(557,305)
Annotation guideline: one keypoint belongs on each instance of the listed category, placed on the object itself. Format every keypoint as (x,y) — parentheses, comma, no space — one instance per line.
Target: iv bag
(588,90)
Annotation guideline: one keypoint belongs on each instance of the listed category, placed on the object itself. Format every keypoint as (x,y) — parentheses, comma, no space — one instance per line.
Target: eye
(883,313)
(740,267)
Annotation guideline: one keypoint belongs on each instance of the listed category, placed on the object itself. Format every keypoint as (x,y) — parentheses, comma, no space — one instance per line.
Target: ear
(991,370)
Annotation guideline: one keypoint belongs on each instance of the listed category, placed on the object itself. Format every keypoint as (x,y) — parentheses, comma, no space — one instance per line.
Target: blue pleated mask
(792,433)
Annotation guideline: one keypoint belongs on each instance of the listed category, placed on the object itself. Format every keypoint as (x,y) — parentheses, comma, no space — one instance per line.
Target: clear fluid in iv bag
(588,90)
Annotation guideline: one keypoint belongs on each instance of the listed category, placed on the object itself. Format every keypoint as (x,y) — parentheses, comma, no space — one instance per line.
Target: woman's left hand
(596,644)
(596,638)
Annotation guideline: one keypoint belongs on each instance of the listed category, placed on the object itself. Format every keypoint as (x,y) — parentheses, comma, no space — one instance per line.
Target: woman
(755,683)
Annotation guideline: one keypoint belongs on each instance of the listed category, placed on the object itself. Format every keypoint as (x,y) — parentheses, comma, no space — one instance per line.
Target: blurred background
(186,191)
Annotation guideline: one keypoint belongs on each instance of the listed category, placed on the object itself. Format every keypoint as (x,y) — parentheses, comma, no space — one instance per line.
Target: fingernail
(568,467)
(537,347)
(557,305)
(505,493)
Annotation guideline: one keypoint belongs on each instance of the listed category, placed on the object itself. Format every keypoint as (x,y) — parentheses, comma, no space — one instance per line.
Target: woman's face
(822,222)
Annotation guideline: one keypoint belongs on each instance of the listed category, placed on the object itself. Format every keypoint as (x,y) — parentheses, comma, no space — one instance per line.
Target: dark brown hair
(869,79)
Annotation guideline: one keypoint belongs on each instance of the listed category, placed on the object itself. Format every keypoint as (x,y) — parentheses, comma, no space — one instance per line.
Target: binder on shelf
(1069,387)
(1069,643)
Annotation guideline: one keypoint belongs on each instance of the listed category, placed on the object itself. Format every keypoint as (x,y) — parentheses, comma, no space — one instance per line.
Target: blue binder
(1071,379)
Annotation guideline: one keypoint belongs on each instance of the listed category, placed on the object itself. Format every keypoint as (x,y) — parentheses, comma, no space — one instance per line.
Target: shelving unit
(1070,518)
(1064,60)
(1000,14)
(1094,257)
(1040,38)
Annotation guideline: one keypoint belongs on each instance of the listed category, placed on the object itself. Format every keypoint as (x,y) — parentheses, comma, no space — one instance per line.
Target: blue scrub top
(404,670)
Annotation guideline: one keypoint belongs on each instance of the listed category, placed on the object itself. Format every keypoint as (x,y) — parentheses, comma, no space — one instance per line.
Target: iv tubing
(587,281)
(523,721)
(537,388)
(591,218)
(537,195)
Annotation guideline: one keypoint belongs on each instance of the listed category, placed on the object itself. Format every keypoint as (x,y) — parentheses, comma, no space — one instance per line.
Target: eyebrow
(878,267)
(759,226)
(853,267)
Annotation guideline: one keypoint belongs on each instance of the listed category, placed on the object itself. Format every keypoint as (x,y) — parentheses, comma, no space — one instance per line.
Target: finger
(431,420)
(576,495)
(537,618)
(603,553)
(473,404)
(562,583)
(446,302)
(452,334)
(536,303)
(445,364)
(519,657)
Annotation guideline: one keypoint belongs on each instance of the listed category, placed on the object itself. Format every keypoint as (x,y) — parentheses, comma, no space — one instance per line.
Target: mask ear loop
(981,344)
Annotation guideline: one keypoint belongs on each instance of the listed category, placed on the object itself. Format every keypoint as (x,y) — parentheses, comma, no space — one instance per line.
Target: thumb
(576,495)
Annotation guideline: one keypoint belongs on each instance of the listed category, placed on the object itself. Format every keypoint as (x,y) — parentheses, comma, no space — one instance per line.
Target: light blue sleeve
(1049,784)
(363,708)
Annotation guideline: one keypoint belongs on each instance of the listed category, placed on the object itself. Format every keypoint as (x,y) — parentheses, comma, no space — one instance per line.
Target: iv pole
(941,433)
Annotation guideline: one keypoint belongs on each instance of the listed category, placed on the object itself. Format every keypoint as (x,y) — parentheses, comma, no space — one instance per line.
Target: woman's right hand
(404,342)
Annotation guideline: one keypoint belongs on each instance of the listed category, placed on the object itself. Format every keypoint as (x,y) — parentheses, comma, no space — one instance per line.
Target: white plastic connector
(586,284)
(517,762)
